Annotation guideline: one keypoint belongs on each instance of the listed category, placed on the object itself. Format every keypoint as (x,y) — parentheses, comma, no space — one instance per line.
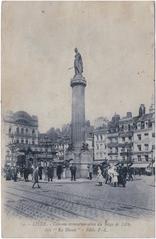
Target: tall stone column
(78,84)
(81,156)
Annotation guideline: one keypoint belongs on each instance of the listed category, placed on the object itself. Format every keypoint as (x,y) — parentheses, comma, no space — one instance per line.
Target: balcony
(23,135)
(113,153)
(112,144)
(126,133)
(112,135)
(125,144)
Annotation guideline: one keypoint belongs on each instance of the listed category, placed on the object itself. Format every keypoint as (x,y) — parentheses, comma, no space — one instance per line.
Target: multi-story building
(125,138)
(20,133)
(144,136)
(100,145)
(112,138)
(100,122)
(129,139)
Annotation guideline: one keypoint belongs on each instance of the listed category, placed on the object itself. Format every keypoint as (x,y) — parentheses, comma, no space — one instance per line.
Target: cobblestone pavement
(83,200)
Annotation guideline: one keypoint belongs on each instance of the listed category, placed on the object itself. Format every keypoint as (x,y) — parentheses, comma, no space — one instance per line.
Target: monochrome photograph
(78,119)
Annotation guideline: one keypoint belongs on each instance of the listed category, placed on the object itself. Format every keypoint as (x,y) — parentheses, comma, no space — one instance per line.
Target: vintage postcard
(78,119)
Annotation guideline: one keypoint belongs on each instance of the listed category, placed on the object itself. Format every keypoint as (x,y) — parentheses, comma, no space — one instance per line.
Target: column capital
(78,80)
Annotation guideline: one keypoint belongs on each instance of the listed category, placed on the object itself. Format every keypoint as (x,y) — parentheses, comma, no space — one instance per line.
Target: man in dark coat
(26,174)
(50,172)
(59,171)
(40,172)
(73,172)
(14,174)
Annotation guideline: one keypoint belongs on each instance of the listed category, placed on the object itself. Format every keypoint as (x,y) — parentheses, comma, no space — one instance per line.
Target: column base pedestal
(81,158)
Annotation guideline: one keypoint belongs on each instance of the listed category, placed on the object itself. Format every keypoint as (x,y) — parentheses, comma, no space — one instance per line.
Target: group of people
(115,175)
(11,173)
(108,174)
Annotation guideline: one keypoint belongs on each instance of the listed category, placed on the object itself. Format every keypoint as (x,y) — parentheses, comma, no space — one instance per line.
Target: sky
(116,42)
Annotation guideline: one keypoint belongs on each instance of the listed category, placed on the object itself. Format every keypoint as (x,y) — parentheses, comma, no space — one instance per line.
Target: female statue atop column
(78,64)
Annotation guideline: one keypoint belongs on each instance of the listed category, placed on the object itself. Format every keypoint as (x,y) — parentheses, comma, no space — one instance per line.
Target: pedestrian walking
(35,177)
(73,172)
(90,171)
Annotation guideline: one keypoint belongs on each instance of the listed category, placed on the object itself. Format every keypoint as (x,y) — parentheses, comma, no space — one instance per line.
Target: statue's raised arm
(78,64)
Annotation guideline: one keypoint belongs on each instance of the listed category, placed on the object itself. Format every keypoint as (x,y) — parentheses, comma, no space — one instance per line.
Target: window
(138,125)
(146,134)
(139,147)
(17,129)
(146,158)
(123,139)
(33,142)
(142,125)
(22,130)
(129,127)
(97,146)
(22,141)
(123,158)
(153,135)
(153,147)
(149,124)
(9,130)
(125,127)
(101,137)
(33,131)
(26,141)
(26,130)
(139,136)
(17,141)
(146,147)
(130,137)
(139,157)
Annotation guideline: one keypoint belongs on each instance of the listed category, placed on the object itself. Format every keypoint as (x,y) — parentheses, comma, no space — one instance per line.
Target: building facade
(20,133)
(100,145)
(127,139)
(144,136)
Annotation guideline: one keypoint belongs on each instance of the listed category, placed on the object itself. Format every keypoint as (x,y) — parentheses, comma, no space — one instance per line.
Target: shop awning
(140,165)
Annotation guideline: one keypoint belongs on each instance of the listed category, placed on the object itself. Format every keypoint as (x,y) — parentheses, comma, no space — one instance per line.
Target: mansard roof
(22,117)
(145,117)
